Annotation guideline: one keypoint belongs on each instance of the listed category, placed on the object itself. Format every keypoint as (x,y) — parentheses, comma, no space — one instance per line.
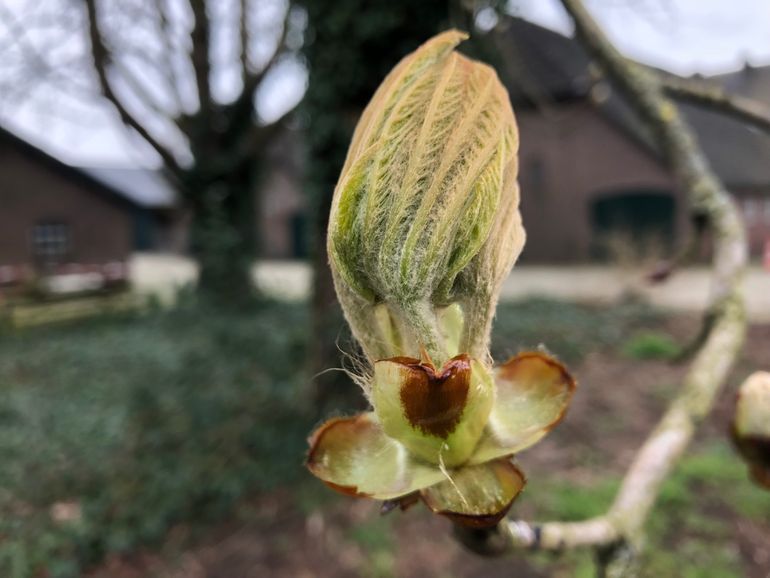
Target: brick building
(55,216)
(589,170)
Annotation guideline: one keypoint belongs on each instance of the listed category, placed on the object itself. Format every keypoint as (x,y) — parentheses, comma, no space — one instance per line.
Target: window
(50,241)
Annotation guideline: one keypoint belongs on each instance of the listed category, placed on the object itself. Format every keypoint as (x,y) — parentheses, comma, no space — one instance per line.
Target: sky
(683,36)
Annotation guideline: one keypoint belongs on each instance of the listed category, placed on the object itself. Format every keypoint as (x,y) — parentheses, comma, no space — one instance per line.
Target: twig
(165,33)
(245,41)
(140,91)
(655,460)
(241,110)
(201,59)
(101,62)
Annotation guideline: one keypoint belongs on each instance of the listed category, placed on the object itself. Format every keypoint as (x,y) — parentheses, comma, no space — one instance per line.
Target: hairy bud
(424,227)
(425,213)
(751,427)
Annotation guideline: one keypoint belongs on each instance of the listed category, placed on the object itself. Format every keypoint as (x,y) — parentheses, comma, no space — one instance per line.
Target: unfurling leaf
(426,209)
(751,426)
(424,228)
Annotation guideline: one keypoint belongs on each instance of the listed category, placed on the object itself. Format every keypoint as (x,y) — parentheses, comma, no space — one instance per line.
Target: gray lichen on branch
(624,521)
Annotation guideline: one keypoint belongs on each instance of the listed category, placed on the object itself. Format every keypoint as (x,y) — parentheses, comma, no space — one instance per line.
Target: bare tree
(183,75)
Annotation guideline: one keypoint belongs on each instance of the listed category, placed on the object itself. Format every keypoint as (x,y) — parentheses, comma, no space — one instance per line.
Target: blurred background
(169,333)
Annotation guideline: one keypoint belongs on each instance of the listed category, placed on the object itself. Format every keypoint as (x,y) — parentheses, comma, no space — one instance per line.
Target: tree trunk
(341,83)
(223,237)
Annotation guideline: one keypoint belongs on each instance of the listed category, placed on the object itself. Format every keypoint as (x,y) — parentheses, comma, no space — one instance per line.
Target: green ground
(189,417)
(145,421)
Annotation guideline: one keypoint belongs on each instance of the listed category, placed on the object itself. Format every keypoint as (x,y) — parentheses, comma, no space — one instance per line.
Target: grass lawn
(117,432)
(142,421)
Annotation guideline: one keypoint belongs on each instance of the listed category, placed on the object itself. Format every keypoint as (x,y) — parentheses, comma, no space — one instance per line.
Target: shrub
(144,422)
(651,345)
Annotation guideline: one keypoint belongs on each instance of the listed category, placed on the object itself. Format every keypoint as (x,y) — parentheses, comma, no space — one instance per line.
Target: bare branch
(660,452)
(151,61)
(248,148)
(707,94)
(256,77)
(519,535)
(101,62)
(242,108)
(164,27)
(258,136)
(245,41)
(201,59)
(140,90)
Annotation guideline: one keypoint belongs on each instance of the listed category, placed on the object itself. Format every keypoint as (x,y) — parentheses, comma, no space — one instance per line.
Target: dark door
(643,221)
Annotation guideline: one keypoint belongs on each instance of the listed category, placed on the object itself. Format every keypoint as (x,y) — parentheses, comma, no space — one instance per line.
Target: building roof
(748,158)
(739,154)
(144,188)
(539,65)
(548,67)
(750,81)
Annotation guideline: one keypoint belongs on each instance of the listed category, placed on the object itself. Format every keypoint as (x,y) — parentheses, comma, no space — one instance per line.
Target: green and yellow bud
(751,426)
(424,228)
(425,213)
(438,415)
